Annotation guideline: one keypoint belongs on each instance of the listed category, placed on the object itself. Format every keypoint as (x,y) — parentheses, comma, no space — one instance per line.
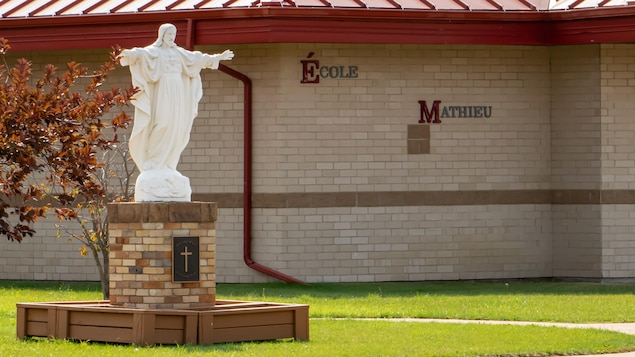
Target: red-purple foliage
(50,134)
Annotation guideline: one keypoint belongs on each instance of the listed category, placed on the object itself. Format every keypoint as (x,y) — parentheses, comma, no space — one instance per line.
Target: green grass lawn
(512,301)
(529,301)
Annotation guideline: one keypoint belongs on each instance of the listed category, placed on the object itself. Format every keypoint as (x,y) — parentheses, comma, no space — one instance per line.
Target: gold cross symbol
(185,254)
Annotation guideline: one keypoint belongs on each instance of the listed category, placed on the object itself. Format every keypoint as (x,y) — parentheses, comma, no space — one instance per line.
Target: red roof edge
(290,24)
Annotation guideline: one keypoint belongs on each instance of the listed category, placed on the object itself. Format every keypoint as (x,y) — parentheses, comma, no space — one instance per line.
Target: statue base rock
(162,185)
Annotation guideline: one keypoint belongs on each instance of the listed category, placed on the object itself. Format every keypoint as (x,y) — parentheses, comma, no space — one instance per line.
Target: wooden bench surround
(148,305)
(228,321)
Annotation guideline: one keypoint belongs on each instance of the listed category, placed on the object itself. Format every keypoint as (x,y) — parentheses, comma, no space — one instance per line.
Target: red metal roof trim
(462,4)
(147,5)
(429,4)
(174,4)
(344,21)
(67,7)
(395,4)
(93,7)
(15,9)
(12,8)
(39,9)
(360,3)
(575,4)
(529,5)
(496,4)
(118,8)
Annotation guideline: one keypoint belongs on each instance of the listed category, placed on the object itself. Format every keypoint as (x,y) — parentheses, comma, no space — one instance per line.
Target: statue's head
(166,36)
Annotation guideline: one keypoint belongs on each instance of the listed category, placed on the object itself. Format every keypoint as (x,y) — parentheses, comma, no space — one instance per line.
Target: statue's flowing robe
(170,90)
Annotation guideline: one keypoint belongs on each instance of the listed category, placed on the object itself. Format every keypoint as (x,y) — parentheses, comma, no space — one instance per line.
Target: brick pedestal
(141,269)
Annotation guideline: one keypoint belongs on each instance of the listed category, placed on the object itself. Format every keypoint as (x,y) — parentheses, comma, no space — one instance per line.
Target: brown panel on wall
(418,139)
(305,199)
(225,200)
(618,197)
(418,131)
(270,200)
(450,198)
(576,196)
(425,198)
(144,212)
(417,147)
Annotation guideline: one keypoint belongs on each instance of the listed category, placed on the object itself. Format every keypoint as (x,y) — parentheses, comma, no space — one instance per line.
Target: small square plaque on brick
(185,259)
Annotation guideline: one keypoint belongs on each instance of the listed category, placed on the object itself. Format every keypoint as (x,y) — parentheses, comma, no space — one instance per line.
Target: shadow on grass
(50,285)
(406,289)
(216,347)
(387,289)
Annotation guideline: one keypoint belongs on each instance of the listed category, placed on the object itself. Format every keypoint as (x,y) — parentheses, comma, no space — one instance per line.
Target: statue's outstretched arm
(128,57)
(214,60)
(226,55)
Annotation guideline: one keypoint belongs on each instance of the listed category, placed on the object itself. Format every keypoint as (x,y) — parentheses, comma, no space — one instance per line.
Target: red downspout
(247,239)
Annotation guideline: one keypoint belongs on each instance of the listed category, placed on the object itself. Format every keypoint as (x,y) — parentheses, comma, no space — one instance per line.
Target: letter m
(429,115)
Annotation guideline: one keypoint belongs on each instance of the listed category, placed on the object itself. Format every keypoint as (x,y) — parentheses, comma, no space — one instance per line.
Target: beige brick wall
(576,117)
(576,158)
(577,241)
(618,157)
(345,135)
(618,241)
(405,243)
(617,84)
(45,257)
(350,135)
(593,90)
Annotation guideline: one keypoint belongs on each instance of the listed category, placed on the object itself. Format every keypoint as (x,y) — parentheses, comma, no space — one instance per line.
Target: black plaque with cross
(185,259)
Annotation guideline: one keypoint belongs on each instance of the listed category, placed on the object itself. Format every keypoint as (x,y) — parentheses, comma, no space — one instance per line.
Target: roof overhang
(324,25)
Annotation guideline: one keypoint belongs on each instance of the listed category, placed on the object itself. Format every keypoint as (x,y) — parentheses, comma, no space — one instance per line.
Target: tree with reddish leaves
(51,138)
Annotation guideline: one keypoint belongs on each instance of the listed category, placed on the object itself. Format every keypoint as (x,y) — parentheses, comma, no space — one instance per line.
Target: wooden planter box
(228,321)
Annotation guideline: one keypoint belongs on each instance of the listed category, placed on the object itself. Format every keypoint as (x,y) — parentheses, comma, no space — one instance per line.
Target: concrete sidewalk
(628,328)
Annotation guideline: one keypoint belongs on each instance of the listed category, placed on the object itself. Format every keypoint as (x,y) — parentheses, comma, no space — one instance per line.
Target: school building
(382,140)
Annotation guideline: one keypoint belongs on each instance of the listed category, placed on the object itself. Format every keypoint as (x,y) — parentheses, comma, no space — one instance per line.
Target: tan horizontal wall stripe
(421,198)
(618,196)
(579,197)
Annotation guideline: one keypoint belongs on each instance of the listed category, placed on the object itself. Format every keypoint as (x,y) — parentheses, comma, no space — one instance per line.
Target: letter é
(310,70)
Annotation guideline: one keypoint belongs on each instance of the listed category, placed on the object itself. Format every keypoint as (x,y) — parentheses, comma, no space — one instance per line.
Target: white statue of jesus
(169,81)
